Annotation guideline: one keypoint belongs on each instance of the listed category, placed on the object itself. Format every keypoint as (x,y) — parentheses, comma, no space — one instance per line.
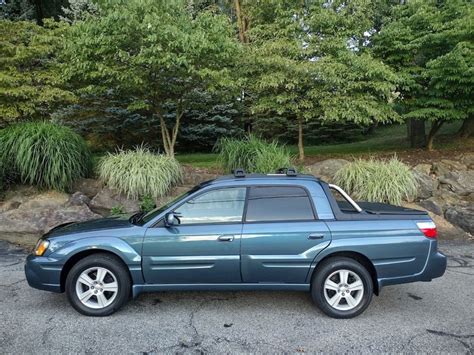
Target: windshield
(152,214)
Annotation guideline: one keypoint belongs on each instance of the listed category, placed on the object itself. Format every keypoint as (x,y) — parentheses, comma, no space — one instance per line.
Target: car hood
(115,222)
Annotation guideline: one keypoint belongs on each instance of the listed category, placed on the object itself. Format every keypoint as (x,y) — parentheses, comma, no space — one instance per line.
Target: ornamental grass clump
(372,180)
(44,154)
(252,154)
(140,172)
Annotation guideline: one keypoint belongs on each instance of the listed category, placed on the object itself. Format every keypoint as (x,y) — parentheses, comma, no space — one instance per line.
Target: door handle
(226,238)
(316,236)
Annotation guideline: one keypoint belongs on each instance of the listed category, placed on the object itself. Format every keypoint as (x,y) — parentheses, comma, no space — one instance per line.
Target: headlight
(41,247)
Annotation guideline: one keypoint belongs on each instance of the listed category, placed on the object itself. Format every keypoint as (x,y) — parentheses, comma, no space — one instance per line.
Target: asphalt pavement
(437,316)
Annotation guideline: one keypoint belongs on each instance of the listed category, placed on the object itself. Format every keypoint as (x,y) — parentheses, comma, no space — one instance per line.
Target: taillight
(428,229)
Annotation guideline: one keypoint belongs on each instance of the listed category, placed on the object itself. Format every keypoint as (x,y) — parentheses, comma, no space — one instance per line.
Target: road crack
(458,337)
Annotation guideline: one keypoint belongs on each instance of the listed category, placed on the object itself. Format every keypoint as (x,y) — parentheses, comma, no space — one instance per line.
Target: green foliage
(154,54)
(429,44)
(252,154)
(44,154)
(147,204)
(378,181)
(31,84)
(311,64)
(116,210)
(140,172)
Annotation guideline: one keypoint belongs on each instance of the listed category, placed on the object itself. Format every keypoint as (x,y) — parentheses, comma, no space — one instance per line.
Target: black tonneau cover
(384,208)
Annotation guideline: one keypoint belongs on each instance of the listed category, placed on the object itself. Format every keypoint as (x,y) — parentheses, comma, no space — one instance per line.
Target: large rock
(89,187)
(25,224)
(423,168)
(45,200)
(432,205)
(460,182)
(326,169)
(78,199)
(108,198)
(462,217)
(427,184)
(468,160)
(446,166)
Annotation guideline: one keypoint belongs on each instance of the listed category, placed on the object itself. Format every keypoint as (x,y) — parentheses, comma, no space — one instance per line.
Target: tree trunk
(416,133)
(300,140)
(169,135)
(435,126)
(39,12)
(242,22)
(467,128)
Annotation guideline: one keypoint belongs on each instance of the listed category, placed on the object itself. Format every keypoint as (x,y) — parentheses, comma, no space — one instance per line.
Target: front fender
(114,245)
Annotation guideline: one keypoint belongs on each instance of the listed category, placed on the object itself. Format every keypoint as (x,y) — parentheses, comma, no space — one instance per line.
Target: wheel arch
(357,256)
(75,258)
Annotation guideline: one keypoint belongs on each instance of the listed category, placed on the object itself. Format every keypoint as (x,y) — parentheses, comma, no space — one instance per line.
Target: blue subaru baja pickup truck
(283,231)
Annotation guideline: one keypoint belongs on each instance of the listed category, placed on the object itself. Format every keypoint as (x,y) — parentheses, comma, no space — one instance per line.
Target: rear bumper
(43,273)
(435,267)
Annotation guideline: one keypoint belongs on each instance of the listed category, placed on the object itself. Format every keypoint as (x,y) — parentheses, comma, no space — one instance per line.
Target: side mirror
(170,219)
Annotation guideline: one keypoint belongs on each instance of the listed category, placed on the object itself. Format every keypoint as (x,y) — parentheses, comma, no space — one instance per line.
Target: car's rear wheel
(342,287)
(98,285)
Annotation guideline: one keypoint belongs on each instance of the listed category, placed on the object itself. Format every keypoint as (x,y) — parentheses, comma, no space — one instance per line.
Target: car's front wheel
(98,285)
(342,287)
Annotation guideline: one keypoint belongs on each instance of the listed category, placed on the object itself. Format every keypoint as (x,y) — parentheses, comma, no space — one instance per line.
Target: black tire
(326,269)
(112,264)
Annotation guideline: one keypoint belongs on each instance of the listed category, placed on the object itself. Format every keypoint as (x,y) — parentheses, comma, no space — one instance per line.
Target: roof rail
(287,171)
(238,173)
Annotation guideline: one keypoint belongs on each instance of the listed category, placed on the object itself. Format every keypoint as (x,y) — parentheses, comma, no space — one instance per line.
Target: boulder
(9,205)
(459,182)
(468,160)
(423,168)
(326,169)
(432,205)
(427,184)
(78,199)
(89,187)
(462,217)
(45,200)
(446,166)
(26,224)
(108,198)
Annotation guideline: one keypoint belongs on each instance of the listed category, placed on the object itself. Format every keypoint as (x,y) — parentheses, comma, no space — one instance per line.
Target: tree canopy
(153,54)
(299,66)
(429,44)
(31,82)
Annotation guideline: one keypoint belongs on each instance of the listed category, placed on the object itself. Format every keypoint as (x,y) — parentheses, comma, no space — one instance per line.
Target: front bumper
(43,273)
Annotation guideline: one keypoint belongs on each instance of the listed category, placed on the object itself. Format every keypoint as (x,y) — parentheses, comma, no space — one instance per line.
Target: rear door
(281,235)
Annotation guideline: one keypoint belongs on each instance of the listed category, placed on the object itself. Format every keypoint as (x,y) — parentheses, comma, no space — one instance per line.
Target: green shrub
(116,210)
(252,154)
(44,154)
(378,181)
(147,204)
(140,172)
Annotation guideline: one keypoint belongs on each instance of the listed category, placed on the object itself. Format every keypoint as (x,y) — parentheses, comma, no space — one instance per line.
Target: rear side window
(278,203)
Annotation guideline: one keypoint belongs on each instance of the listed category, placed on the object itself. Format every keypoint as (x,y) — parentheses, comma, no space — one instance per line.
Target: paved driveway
(421,317)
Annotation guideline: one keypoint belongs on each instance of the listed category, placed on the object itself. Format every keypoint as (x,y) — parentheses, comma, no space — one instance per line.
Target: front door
(204,247)
(281,235)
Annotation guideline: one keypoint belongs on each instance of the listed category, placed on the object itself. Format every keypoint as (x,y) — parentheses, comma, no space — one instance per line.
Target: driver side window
(216,206)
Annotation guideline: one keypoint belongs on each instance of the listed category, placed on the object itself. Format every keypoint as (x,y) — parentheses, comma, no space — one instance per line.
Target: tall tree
(154,53)
(429,44)
(310,63)
(32,86)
